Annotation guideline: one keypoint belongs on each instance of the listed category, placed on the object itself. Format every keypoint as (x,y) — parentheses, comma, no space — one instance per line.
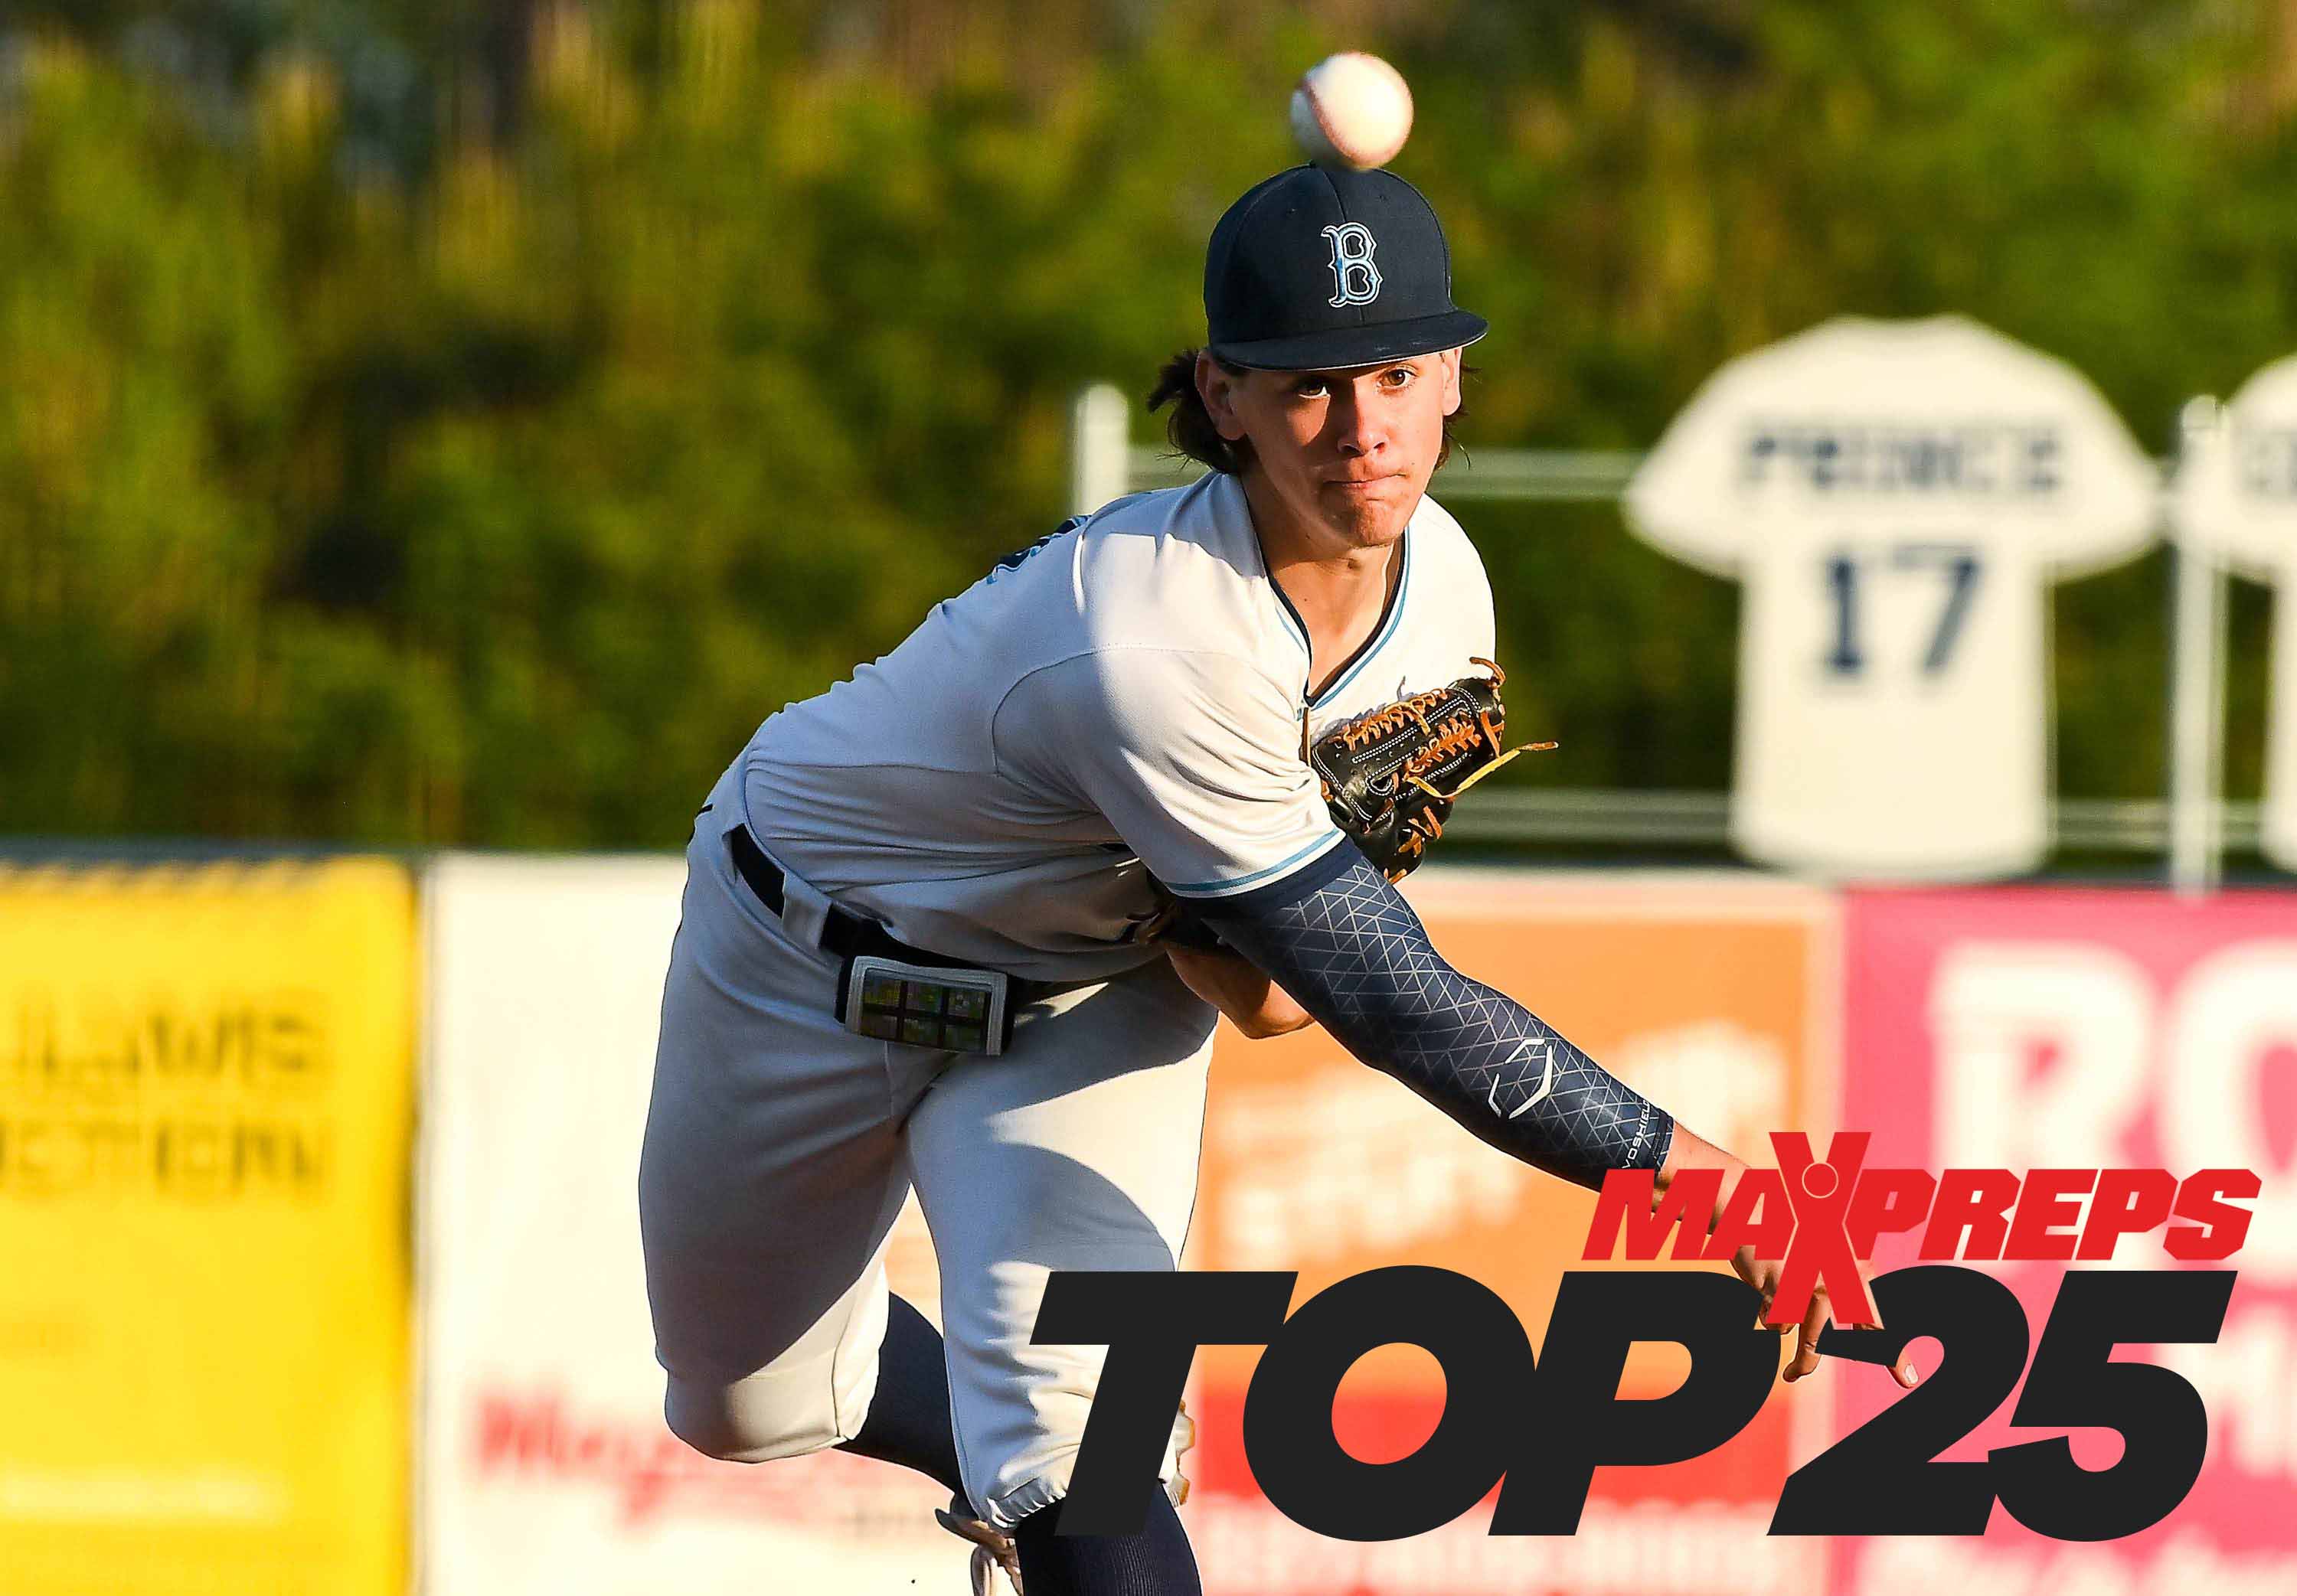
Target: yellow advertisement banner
(206,1088)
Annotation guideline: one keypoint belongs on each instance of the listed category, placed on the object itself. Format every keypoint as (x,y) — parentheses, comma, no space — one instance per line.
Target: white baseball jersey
(1896,498)
(1127,697)
(2236,499)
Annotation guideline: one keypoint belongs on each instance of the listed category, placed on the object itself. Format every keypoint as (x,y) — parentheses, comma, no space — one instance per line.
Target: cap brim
(1340,348)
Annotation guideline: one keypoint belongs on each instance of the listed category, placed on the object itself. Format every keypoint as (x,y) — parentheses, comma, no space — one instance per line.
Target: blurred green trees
(412,436)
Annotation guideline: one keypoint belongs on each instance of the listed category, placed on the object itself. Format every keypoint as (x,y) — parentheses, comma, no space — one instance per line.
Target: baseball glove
(1391,776)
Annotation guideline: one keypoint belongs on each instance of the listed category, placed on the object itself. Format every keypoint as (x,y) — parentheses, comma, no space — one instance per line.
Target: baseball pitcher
(965,922)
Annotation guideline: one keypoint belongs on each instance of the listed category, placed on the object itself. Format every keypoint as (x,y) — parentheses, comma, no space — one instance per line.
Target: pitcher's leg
(908,1420)
(1077,1149)
(1159,1561)
(770,1176)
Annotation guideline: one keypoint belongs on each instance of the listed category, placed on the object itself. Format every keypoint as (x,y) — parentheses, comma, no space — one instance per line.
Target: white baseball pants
(780,1147)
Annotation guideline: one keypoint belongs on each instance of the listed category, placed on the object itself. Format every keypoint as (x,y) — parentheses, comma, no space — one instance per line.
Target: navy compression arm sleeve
(1352,953)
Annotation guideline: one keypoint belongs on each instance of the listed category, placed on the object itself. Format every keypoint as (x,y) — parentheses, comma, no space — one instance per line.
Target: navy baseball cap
(1318,269)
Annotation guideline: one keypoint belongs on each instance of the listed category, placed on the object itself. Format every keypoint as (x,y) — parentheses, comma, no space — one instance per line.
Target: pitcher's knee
(750,1421)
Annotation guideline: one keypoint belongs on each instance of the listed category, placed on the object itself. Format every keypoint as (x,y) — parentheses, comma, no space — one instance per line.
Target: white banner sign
(543,1461)
(1896,498)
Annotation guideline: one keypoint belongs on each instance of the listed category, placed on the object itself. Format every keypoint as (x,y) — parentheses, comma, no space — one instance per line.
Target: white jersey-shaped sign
(2236,499)
(1896,498)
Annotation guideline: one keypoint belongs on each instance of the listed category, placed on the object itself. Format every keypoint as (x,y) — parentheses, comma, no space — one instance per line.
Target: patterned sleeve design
(1354,954)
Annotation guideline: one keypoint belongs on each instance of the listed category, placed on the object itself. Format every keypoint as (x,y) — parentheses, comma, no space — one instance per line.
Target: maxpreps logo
(1505,1403)
(1820,1219)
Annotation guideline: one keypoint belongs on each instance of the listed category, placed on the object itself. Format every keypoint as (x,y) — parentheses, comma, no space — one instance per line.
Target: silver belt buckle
(924,1005)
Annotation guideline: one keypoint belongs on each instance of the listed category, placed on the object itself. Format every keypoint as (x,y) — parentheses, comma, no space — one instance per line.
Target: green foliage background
(439,423)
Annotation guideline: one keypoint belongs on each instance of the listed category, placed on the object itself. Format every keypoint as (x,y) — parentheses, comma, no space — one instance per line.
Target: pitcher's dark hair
(1190,427)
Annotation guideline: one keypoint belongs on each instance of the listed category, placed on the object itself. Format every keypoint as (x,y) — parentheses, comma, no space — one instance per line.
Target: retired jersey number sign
(1896,498)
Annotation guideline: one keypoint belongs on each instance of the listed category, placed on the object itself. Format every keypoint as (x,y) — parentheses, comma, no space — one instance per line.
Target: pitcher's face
(1348,452)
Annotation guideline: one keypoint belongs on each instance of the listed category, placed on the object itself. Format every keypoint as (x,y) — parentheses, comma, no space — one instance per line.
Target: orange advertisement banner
(1713,996)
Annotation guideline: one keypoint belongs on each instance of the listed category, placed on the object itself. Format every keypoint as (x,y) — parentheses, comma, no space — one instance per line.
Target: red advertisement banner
(2071,1029)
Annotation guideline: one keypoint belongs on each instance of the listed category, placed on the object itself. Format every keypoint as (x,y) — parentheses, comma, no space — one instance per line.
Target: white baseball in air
(1352,110)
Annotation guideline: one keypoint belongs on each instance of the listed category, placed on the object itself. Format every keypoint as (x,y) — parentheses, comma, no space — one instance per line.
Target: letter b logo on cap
(1355,280)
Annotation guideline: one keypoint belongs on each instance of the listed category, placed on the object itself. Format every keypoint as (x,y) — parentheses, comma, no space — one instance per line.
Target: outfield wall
(221,1346)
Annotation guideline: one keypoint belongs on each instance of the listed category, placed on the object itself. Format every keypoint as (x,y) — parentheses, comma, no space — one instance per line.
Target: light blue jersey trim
(1221,889)
(1395,619)
(1284,608)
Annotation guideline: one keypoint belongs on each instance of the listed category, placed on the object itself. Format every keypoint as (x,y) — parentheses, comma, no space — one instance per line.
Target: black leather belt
(846,934)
